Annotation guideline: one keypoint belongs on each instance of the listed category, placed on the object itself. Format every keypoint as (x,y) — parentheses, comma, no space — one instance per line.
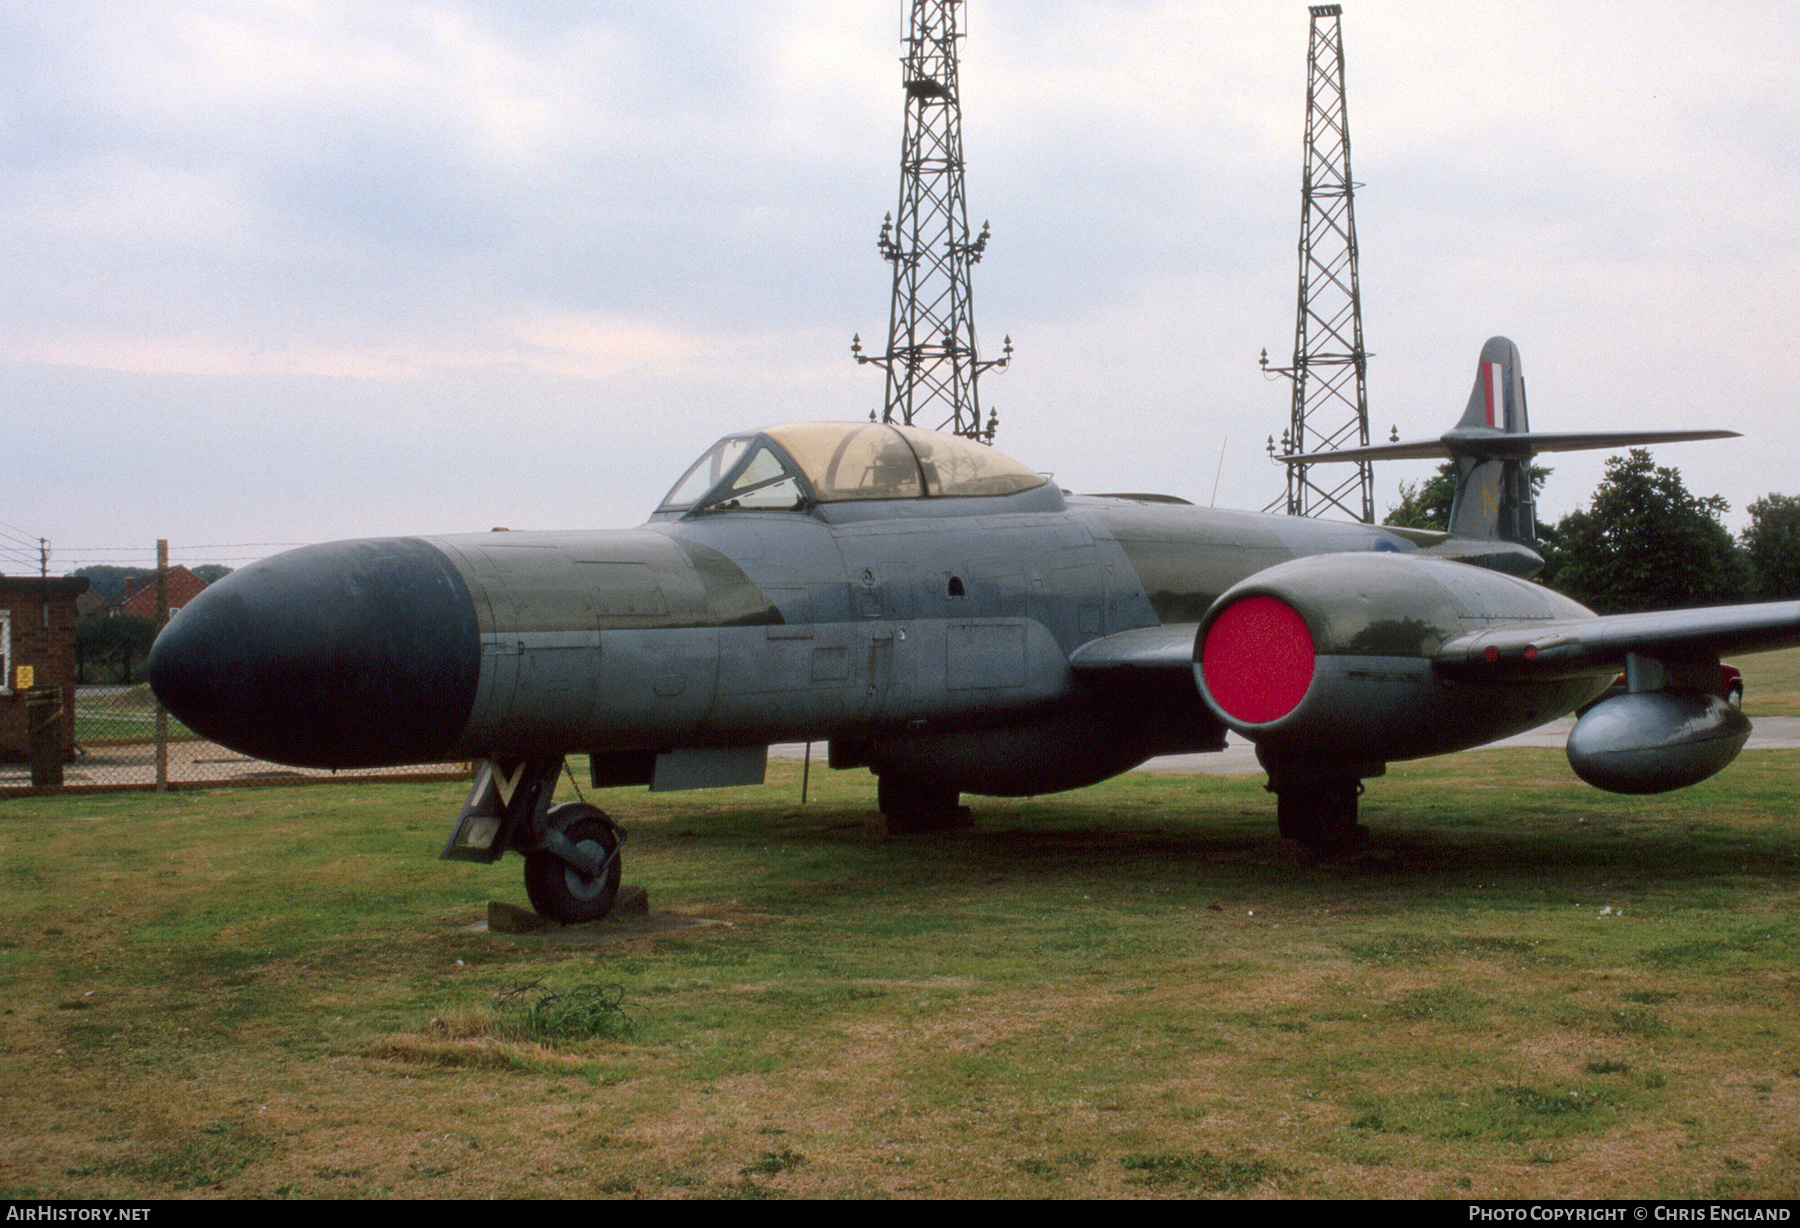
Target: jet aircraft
(951,620)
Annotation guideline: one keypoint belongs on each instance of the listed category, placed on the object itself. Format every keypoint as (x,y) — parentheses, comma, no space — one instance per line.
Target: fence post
(44,729)
(162,619)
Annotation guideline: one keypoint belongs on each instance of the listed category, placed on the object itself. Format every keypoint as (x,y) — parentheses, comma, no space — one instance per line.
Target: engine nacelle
(1655,741)
(1330,657)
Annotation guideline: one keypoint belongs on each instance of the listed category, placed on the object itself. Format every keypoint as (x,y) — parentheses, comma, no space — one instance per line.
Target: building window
(6,655)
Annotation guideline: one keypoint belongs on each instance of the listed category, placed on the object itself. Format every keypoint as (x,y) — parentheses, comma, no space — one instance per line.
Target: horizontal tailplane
(1492,446)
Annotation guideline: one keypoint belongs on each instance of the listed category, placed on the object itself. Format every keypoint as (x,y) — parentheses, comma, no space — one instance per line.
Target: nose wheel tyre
(556,888)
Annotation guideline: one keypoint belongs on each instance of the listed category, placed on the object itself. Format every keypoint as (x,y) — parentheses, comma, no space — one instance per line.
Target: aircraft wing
(1533,647)
(1137,653)
(1538,647)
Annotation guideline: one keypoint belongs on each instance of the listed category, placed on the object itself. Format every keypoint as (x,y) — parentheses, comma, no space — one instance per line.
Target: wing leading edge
(1541,648)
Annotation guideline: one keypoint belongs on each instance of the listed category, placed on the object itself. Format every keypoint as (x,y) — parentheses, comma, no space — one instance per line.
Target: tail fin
(1493,492)
(1492,446)
(1498,399)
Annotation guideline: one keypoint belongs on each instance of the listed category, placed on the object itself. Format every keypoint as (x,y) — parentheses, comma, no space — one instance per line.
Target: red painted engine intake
(1259,659)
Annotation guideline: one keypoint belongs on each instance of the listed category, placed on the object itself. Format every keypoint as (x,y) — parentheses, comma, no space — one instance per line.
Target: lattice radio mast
(1331,402)
(933,367)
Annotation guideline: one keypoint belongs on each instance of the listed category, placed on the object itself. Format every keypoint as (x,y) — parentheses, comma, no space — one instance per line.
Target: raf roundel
(1258,660)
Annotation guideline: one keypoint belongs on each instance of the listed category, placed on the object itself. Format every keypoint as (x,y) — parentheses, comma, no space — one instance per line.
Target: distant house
(139,596)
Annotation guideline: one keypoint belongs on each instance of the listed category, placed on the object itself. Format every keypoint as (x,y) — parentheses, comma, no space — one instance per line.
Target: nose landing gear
(571,851)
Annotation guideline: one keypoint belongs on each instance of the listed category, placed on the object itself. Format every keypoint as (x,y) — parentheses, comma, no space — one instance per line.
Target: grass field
(1527,989)
(1771,682)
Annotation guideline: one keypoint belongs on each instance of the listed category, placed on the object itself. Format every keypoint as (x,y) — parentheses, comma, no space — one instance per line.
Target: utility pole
(932,364)
(1330,407)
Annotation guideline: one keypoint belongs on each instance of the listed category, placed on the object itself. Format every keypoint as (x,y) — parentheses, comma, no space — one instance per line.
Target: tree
(1645,543)
(1427,505)
(1772,543)
(107,582)
(112,648)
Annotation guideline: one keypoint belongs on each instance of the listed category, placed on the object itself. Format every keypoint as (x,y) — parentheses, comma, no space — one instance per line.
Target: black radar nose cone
(351,654)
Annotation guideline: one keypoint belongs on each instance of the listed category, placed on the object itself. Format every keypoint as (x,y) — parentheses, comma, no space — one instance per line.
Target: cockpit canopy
(795,465)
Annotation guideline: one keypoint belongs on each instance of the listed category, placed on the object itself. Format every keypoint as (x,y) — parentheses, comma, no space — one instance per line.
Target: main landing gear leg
(911,805)
(1317,807)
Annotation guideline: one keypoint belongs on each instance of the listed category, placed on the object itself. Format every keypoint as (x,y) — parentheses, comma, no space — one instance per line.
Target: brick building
(139,596)
(37,634)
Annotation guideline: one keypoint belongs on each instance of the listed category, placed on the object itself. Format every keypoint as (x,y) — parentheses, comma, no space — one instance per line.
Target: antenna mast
(1331,402)
(931,360)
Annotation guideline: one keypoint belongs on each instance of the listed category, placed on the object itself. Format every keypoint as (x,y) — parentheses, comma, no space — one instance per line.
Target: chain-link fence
(117,747)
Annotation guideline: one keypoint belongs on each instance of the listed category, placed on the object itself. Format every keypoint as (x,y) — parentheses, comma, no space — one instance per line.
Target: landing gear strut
(911,805)
(1322,816)
(1316,804)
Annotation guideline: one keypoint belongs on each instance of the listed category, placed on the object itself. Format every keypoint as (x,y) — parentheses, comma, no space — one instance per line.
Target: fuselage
(848,622)
(711,628)
(929,636)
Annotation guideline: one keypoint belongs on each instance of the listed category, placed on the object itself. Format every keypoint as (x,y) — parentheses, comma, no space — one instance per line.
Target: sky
(287,271)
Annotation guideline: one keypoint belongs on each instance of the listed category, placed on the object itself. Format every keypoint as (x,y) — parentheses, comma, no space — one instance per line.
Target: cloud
(647,224)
